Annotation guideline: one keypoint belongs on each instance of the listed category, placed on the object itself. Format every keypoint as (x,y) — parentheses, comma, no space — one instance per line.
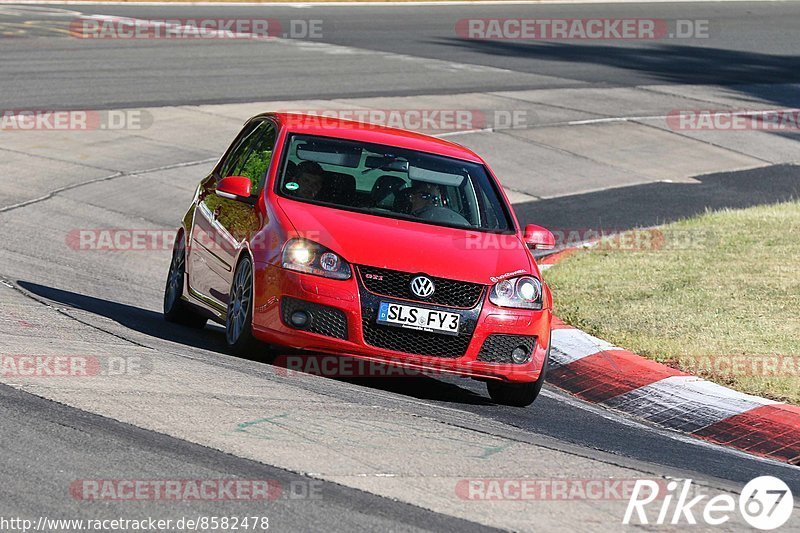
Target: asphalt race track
(352,454)
(381,51)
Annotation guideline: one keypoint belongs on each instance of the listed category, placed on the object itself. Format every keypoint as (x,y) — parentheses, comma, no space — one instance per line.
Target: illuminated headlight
(523,292)
(529,289)
(313,258)
(298,252)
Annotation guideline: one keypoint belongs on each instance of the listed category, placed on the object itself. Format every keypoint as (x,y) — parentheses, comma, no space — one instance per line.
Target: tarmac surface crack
(709,143)
(116,175)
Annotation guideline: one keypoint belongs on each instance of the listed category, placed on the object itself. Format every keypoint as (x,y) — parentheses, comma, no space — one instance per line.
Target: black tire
(176,310)
(518,394)
(239,318)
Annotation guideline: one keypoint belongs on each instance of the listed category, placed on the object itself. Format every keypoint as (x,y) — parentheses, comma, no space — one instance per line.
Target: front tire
(239,318)
(175,308)
(518,394)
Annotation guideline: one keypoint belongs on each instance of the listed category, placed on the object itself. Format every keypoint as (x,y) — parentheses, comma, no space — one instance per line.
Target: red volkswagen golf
(348,238)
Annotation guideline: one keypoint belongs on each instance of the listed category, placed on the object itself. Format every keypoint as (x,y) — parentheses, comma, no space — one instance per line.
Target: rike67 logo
(765,503)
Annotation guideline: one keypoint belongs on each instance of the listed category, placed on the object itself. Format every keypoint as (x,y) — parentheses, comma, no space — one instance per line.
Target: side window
(239,151)
(256,162)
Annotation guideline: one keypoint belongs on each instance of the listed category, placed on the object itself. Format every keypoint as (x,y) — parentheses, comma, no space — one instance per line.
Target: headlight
(523,292)
(313,258)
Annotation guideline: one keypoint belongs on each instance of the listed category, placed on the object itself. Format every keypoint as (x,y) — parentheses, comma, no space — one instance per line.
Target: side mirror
(234,188)
(539,238)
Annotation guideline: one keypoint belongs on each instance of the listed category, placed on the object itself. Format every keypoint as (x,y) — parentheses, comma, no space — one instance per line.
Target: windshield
(391,182)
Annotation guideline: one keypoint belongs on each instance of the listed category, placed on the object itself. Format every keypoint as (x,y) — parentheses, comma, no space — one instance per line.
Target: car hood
(363,239)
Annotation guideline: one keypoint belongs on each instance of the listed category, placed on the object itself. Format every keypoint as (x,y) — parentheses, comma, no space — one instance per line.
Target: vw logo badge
(422,286)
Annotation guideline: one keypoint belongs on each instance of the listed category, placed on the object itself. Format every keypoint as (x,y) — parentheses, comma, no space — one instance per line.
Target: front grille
(396,284)
(415,342)
(325,320)
(497,348)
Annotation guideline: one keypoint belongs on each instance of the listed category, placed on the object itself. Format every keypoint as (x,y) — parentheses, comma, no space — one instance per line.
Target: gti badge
(422,286)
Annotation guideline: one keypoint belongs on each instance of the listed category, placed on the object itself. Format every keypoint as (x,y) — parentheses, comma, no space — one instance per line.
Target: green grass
(724,286)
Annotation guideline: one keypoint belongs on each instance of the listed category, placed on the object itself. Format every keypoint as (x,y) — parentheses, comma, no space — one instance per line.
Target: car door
(221,224)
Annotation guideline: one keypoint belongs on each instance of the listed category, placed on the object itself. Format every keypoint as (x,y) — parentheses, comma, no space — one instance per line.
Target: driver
(424,196)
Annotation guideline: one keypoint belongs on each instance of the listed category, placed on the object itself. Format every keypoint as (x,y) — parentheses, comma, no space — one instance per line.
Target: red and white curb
(596,371)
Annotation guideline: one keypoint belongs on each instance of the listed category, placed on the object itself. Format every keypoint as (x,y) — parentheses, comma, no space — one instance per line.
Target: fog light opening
(520,355)
(300,319)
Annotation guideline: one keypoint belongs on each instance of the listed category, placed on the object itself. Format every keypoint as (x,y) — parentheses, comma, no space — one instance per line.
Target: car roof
(328,126)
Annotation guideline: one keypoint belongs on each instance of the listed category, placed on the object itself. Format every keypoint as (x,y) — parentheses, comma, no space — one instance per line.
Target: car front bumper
(349,326)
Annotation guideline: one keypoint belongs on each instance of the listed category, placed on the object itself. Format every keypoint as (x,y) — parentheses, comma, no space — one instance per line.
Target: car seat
(384,191)
(338,188)
(402,201)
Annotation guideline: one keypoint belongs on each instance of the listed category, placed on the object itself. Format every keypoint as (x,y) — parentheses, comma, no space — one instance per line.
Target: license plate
(406,316)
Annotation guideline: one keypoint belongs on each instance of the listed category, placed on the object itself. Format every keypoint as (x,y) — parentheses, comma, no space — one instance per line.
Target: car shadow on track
(142,320)
(422,388)
(657,203)
(372,375)
(749,73)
